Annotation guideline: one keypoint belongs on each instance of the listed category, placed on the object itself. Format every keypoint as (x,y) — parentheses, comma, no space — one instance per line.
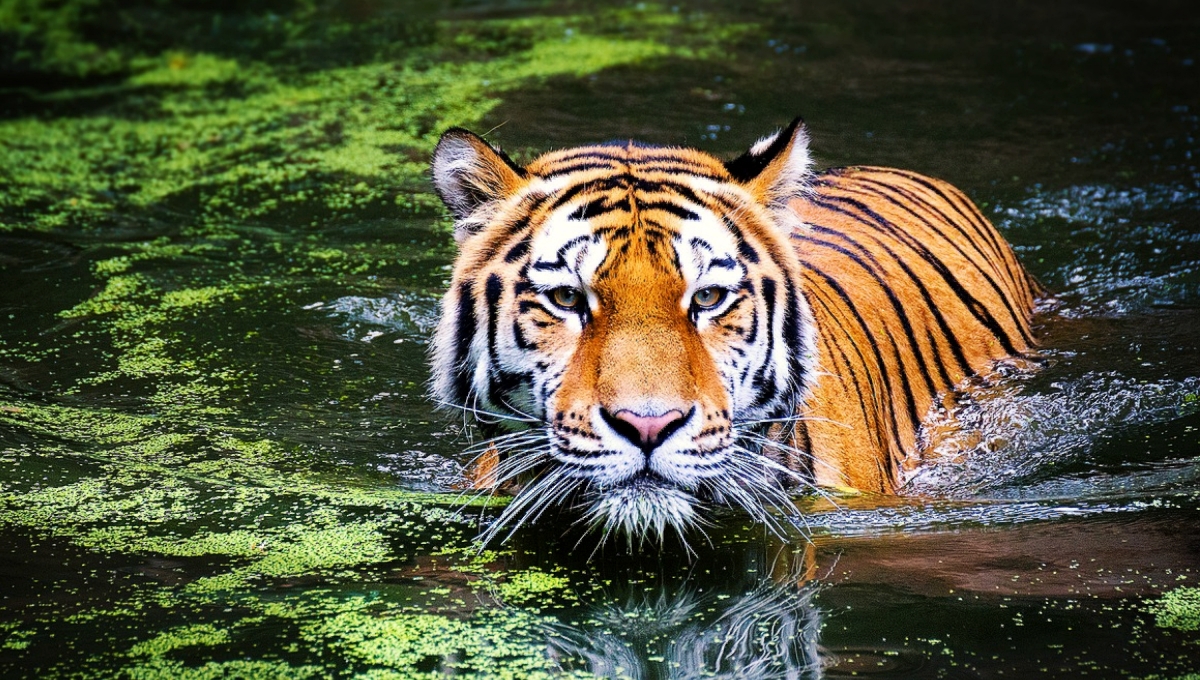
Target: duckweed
(213,466)
(534,586)
(204,188)
(1178,609)
(247,139)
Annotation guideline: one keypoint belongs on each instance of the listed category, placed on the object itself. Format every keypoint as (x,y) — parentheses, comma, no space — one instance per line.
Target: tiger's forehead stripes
(668,221)
(627,155)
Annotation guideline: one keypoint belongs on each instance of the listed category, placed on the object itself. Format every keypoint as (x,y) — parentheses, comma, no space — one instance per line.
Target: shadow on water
(220,263)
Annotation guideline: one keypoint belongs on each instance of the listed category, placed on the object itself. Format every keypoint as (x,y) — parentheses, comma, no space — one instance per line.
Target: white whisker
(483,414)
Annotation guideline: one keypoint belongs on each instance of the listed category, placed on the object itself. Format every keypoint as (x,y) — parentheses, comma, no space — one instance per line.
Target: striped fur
(661,330)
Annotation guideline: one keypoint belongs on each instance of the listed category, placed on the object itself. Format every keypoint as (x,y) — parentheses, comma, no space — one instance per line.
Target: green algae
(222,670)
(14,637)
(493,643)
(50,35)
(187,636)
(1178,609)
(209,189)
(535,586)
(302,146)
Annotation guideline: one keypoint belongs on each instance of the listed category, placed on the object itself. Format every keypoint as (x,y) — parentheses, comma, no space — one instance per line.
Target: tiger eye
(566,297)
(707,298)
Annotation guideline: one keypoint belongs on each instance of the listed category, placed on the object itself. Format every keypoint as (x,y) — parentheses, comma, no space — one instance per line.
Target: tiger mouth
(646,482)
(645,505)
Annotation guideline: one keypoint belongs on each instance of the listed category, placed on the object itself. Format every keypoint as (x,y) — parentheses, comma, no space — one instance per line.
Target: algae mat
(219,264)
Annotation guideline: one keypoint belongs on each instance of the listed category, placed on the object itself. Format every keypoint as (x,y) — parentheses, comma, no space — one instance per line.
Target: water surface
(220,262)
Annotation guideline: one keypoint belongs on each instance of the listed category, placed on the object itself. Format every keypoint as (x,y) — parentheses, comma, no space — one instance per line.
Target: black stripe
(588,152)
(666,186)
(989,233)
(599,206)
(872,341)
(1017,318)
(517,225)
(746,250)
(492,292)
(914,199)
(869,264)
(518,251)
(760,380)
(1019,278)
(570,193)
(519,336)
(980,311)
(803,442)
(673,208)
(526,306)
(934,308)
(465,330)
(561,262)
(753,335)
(578,167)
(913,416)
(678,168)
(873,416)
(792,333)
(941,365)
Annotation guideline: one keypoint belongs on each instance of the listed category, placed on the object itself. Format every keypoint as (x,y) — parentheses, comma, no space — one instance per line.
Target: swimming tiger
(661,331)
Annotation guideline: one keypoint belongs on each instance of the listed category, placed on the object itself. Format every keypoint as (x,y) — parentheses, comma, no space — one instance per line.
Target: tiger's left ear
(470,176)
(777,168)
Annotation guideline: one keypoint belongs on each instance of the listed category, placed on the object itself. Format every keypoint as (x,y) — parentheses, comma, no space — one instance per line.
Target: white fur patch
(760,147)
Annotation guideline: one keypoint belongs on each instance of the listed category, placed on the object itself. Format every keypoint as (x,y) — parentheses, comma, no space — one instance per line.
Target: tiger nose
(646,431)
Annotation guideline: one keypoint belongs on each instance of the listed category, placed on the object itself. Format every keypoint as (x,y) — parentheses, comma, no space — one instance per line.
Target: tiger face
(632,313)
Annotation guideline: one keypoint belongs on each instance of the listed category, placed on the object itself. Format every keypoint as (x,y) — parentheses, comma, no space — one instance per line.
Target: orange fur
(887,289)
(862,441)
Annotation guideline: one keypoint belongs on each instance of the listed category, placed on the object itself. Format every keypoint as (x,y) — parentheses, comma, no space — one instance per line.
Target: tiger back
(647,332)
(912,290)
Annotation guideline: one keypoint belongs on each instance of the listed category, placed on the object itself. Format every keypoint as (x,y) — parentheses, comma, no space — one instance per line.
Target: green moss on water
(50,35)
(535,586)
(222,670)
(1178,609)
(494,644)
(12,637)
(242,139)
(205,186)
(187,636)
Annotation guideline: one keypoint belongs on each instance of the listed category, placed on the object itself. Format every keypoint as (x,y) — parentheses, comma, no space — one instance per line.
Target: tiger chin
(645,332)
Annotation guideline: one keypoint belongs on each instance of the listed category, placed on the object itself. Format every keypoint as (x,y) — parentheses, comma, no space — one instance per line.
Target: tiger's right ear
(468,175)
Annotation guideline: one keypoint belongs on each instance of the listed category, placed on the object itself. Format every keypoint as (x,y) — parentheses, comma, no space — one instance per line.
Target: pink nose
(645,431)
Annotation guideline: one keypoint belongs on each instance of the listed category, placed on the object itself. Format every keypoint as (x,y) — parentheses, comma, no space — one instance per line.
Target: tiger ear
(469,174)
(777,168)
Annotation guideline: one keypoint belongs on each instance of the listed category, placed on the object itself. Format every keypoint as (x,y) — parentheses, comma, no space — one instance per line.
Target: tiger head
(632,312)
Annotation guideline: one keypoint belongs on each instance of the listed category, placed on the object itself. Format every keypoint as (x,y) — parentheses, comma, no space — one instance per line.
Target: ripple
(1114,251)
(1075,438)
(411,316)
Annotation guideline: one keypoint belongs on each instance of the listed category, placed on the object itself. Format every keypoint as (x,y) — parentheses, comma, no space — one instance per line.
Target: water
(219,266)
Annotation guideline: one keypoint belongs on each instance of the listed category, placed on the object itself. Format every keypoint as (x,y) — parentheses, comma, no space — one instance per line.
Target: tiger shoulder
(648,332)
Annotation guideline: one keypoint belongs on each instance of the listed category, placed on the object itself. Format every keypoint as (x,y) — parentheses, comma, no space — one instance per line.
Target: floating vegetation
(220,258)
(213,183)
(1178,609)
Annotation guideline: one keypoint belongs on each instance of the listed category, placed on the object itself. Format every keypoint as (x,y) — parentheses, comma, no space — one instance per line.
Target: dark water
(220,261)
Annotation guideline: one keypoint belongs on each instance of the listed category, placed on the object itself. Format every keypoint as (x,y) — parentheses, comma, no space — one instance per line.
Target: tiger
(646,333)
